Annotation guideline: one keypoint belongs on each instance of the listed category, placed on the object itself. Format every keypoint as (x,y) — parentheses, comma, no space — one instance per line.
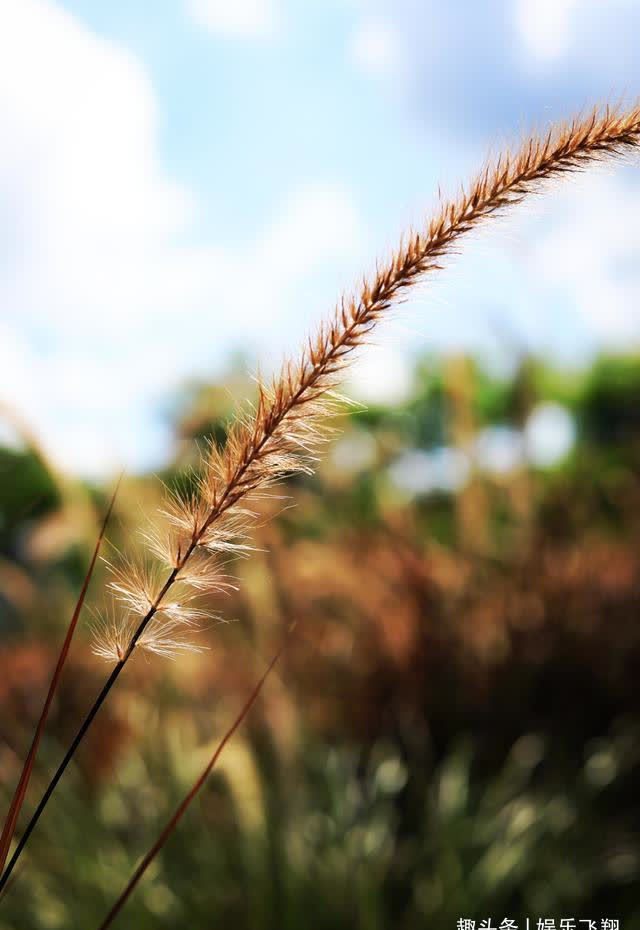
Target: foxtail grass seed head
(284,431)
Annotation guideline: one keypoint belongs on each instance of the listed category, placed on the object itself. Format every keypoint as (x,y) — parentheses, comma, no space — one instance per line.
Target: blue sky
(192,177)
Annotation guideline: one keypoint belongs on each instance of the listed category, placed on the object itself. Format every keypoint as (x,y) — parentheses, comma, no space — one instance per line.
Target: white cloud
(315,223)
(545,27)
(374,48)
(235,18)
(80,180)
(585,253)
(86,221)
(103,306)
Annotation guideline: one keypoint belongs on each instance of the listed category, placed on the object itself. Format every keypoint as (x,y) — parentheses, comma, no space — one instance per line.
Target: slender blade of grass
(193,791)
(21,789)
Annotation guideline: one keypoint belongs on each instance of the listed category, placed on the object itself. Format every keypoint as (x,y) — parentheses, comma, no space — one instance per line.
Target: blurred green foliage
(27,492)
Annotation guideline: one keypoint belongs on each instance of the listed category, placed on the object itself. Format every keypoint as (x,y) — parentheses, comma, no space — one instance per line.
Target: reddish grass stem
(191,794)
(21,788)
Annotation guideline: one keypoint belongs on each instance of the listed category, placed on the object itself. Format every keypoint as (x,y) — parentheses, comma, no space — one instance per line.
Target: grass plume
(281,435)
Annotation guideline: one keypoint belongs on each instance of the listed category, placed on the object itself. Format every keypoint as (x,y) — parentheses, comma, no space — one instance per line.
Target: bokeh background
(454,729)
